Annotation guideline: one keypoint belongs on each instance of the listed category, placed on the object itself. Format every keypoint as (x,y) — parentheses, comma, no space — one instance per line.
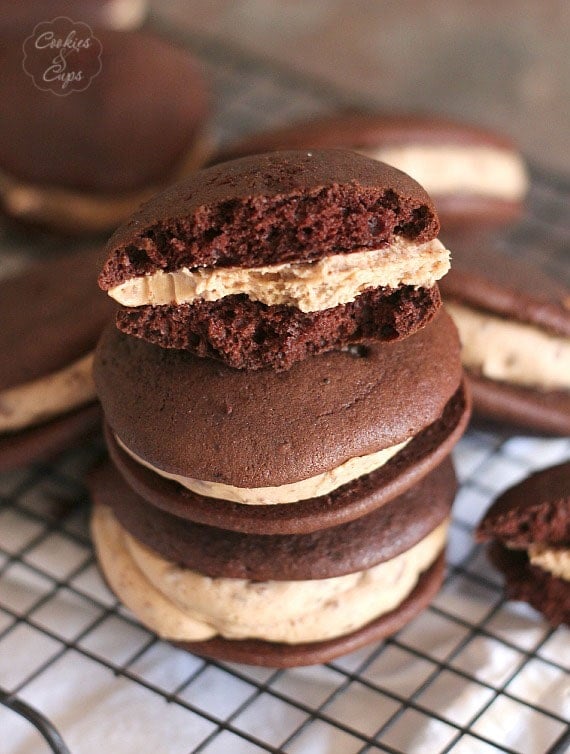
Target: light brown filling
(92,212)
(333,280)
(454,169)
(182,605)
(510,351)
(555,560)
(315,486)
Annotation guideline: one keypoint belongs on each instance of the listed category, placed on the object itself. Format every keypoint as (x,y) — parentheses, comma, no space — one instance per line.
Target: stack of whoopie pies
(281,392)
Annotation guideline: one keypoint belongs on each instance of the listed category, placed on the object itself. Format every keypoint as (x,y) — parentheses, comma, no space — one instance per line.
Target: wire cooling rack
(472,675)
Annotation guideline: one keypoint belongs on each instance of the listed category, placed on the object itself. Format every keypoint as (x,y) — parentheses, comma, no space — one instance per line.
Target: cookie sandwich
(514,324)
(270,259)
(294,508)
(473,174)
(51,320)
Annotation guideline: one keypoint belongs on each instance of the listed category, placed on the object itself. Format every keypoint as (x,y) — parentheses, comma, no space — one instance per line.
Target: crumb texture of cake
(529,530)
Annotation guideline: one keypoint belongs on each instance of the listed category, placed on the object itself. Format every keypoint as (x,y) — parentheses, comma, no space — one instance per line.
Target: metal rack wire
(471,674)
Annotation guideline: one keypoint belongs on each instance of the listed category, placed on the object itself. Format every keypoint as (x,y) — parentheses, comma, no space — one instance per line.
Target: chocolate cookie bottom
(250,335)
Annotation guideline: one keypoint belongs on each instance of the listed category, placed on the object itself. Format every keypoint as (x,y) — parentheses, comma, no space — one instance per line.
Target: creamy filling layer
(91,211)
(511,351)
(456,169)
(182,605)
(555,560)
(42,399)
(315,486)
(314,286)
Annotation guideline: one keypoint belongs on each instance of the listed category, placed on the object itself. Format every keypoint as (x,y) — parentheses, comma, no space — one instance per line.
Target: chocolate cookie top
(366,130)
(201,419)
(51,314)
(355,546)
(535,511)
(128,129)
(484,277)
(272,208)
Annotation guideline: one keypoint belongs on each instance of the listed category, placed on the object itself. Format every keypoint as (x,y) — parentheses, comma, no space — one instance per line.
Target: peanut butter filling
(42,399)
(182,605)
(314,286)
(555,560)
(459,169)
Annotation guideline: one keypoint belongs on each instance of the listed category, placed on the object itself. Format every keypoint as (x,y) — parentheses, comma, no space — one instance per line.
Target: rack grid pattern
(472,674)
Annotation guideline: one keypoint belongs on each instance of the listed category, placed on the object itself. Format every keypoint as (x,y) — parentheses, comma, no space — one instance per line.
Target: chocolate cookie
(346,503)
(75,163)
(473,174)
(514,323)
(269,259)
(197,418)
(219,553)
(529,526)
(51,319)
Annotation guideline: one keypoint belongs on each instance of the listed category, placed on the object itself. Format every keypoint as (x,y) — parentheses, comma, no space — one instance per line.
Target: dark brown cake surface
(523,581)
(366,130)
(355,546)
(201,419)
(484,277)
(247,334)
(272,208)
(44,441)
(536,411)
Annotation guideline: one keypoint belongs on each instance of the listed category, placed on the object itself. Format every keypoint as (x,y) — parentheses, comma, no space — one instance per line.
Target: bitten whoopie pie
(273,600)
(267,260)
(83,162)
(473,174)
(281,452)
(52,316)
(514,324)
(529,530)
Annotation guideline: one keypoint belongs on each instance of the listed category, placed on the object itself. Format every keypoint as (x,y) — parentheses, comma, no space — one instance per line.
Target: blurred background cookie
(514,324)
(473,174)
(52,315)
(81,163)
